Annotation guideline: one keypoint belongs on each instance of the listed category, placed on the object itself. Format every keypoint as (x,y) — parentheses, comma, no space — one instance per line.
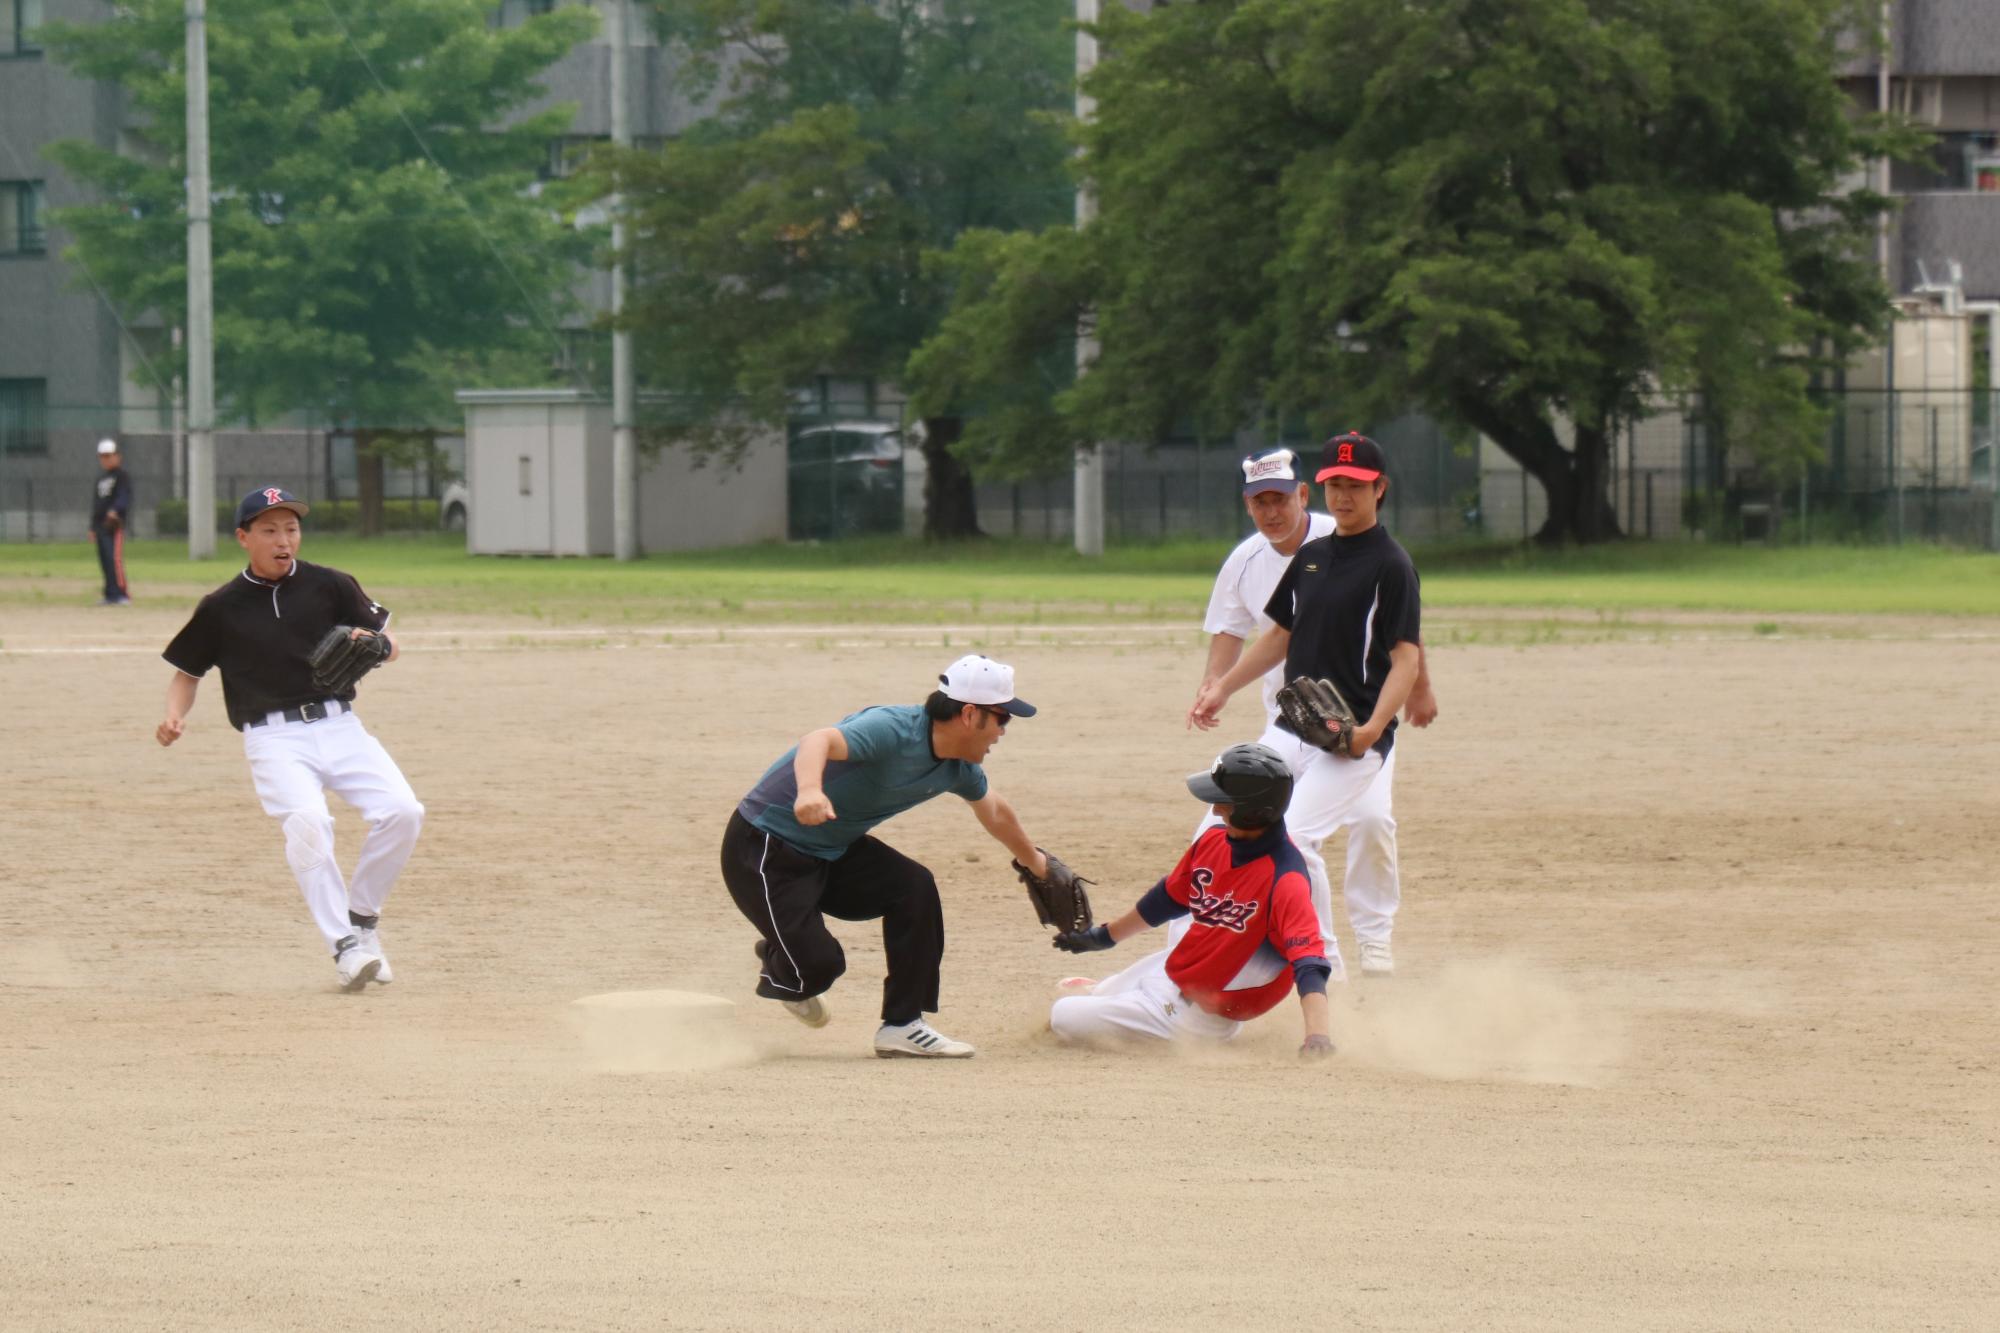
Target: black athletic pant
(111,559)
(787,895)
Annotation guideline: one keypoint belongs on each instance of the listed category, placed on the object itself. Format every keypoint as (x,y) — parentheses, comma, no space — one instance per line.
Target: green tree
(1529,217)
(784,237)
(375,236)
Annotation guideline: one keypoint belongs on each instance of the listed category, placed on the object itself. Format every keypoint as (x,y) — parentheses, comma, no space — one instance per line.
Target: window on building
(24,416)
(21,218)
(1960,161)
(566,155)
(18,21)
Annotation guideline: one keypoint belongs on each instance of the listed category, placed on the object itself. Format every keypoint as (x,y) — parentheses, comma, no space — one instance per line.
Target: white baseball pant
(1141,1001)
(294,765)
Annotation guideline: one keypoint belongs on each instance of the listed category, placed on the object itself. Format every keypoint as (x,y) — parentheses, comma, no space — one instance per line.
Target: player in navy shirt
(110,507)
(799,849)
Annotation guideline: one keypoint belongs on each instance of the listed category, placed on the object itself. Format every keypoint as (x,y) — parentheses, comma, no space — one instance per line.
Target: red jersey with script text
(1252,917)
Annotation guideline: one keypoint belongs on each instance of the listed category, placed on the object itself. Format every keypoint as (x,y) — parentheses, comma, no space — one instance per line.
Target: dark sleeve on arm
(1158,906)
(358,607)
(193,649)
(1279,608)
(1402,607)
(1311,974)
(121,497)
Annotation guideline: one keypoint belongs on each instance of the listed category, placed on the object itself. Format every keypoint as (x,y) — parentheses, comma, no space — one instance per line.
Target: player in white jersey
(1277,497)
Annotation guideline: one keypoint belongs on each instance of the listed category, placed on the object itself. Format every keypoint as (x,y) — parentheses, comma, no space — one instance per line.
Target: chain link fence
(1904,466)
(49,468)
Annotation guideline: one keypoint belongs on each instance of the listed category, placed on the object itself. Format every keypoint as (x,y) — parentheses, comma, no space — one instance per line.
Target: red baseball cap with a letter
(1352,455)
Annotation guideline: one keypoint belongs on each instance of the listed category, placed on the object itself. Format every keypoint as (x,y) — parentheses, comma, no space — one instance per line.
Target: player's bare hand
(360,633)
(1364,738)
(1204,714)
(812,807)
(1317,1046)
(1421,709)
(169,731)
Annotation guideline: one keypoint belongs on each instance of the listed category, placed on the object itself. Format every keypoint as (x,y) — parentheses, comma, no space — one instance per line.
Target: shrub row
(326,516)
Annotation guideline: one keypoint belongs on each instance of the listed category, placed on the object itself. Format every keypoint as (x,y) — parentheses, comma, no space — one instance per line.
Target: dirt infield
(1694,1026)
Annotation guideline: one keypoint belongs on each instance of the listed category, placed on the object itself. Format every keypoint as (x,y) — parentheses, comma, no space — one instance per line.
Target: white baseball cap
(974,679)
(107,446)
(1275,471)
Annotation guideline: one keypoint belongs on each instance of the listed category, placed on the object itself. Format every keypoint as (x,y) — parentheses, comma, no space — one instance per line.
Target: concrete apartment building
(70,371)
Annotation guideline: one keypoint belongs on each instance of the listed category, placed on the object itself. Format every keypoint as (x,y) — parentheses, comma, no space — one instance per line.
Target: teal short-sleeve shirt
(889,769)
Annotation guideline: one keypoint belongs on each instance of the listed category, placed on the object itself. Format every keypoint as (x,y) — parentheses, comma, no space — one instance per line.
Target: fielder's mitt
(340,659)
(1308,706)
(1058,896)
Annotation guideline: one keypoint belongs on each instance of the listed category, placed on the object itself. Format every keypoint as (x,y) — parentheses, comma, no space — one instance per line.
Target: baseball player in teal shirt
(799,847)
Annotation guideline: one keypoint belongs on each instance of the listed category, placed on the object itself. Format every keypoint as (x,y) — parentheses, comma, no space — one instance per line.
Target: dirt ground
(1694,1024)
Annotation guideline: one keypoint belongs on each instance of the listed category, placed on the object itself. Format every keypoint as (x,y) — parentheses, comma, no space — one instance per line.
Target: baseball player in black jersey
(110,505)
(302,740)
(1346,610)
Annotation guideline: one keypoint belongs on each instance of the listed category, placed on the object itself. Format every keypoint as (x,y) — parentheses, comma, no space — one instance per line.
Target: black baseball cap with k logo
(268,497)
(1352,455)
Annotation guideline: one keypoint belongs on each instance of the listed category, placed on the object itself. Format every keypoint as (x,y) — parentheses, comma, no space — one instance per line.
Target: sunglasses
(999,715)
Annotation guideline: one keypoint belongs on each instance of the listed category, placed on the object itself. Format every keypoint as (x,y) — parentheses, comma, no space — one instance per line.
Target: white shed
(538,482)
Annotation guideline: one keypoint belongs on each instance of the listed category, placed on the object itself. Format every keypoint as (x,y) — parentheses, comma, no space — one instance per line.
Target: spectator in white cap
(110,503)
(798,848)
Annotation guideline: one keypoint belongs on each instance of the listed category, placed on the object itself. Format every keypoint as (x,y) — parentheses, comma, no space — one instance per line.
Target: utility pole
(201,297)
(179,460)
(624,456)
(1089,466)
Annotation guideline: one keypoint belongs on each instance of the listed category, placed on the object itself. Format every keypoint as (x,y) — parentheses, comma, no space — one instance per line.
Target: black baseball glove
(1315,712)
(1058,896)
(340,659)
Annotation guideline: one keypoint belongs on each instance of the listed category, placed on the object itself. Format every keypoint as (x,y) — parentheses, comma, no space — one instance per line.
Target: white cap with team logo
(981,680)
(1275,471)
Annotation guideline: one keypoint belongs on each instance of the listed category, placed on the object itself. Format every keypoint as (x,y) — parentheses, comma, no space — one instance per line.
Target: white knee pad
(308,841)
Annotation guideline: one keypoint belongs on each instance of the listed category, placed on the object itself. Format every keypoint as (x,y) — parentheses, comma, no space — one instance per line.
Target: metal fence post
(1931,529)
(1895,468)
(1649,502)
(1524,504)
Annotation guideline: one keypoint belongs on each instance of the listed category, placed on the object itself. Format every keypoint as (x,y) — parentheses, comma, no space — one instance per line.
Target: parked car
(452,507)
(844,480)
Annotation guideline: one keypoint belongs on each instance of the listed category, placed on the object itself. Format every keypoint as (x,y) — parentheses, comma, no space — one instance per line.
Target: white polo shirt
(1244,587)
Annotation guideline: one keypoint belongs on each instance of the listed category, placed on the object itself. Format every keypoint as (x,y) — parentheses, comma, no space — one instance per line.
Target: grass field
(1022,582)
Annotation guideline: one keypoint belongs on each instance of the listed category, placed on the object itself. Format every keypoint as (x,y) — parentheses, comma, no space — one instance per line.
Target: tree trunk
(1592,516)
(368,477)
(1574,481)
(950,511)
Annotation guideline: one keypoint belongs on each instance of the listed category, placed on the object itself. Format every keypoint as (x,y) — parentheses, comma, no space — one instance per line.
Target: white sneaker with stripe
(918,1039)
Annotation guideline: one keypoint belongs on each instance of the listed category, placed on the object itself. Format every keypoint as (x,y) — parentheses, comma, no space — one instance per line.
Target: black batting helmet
(1252,779)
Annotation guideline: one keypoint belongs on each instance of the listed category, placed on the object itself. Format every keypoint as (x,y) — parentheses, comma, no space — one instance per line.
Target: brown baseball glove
(1058,896)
